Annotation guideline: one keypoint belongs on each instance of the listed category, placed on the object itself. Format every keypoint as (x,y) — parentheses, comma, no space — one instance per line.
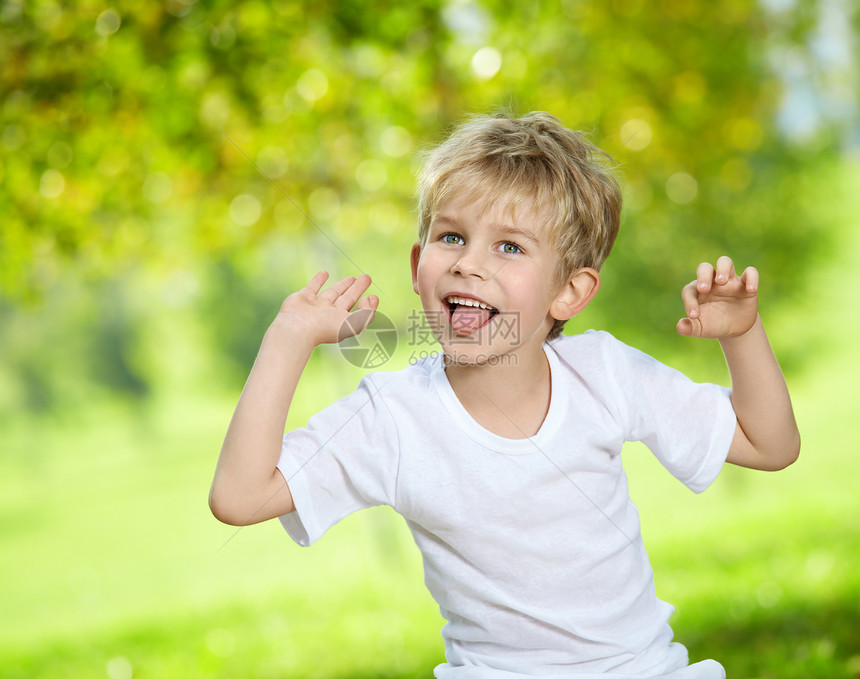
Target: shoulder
(600,359)
(589,346)
(382,403)
(406,383)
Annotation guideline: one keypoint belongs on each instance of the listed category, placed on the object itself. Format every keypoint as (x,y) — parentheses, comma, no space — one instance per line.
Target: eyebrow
(504,228)
(516,231)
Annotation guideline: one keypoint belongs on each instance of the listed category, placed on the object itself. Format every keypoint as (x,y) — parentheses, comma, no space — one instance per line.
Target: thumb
(354,323)
(688,327)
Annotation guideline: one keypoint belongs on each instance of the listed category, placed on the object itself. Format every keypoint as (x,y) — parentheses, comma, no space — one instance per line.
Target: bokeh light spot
(52,184)
(119,667)
(636,134)
(371,175)
(396,142)
(467,21)
(682,188)
(215,109)
(486,62)
(312,85)
(108,22)
(245,209)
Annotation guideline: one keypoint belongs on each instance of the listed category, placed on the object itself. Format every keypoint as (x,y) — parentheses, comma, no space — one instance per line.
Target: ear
(575,294)
(414,256)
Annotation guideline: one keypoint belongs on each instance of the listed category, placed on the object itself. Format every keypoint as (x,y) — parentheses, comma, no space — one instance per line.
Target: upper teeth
(469,302)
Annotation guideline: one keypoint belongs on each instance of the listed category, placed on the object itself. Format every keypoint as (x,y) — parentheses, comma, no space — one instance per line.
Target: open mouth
(467,314)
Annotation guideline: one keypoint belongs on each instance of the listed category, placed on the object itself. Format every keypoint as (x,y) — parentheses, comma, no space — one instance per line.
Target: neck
(510,398)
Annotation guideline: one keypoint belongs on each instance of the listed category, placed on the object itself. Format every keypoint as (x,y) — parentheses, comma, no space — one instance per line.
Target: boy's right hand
(325,317)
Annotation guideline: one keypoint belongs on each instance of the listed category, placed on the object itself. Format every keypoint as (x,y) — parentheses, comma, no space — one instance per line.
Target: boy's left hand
(719,303)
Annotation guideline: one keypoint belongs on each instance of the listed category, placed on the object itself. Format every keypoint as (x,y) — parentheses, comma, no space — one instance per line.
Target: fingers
(316,283)
(690,297)
(369,302)
(704,277)
(353,291)
(359,319)
(749,278)
(689,327)
(719,302)
(708,276)
(334,292)
(725,270)
(343,294)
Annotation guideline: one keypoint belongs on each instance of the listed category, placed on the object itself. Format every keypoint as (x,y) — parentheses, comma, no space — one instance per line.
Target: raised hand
(326,316)
(248,487)
(720,303)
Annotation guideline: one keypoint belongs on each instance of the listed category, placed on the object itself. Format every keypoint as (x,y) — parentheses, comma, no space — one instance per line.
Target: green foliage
(150,142)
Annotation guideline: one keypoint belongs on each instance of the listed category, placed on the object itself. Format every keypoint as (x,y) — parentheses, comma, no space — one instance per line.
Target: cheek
(532,293)
(525,282)
(425,279)
(429,268)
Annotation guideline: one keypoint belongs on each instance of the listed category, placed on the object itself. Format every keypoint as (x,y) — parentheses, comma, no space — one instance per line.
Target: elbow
(790,454)
(794,452)
(238,503)
(222,509)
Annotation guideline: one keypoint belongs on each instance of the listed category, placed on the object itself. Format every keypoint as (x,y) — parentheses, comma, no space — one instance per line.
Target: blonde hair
(533,162)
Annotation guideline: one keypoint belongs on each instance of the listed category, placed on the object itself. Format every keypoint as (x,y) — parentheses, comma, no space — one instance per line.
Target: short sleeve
(688,426)
(344,460)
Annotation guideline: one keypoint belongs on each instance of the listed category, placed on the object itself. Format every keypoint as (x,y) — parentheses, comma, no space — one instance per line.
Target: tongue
(466,319)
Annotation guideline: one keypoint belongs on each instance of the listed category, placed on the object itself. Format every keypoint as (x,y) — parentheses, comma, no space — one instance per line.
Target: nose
(470,263)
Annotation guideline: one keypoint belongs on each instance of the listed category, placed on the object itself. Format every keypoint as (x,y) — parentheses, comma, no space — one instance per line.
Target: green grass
(110,560)
(111,565)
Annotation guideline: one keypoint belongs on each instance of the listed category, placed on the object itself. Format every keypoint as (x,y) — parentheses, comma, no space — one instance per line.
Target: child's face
(486,280)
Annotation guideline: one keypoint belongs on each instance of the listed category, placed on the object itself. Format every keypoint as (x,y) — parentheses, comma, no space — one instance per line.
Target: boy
(502,453)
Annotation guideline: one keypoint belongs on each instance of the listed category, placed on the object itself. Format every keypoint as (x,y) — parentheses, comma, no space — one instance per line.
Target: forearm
(247,487)
(761,402)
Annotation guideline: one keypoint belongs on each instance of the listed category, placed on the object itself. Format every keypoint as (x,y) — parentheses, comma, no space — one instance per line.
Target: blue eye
(452,239)
(510,248)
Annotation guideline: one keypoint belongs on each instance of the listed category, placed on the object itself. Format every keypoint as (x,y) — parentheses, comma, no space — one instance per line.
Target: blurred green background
(169,171)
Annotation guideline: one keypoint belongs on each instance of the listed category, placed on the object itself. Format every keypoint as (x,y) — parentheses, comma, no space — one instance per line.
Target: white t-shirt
(531,547)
